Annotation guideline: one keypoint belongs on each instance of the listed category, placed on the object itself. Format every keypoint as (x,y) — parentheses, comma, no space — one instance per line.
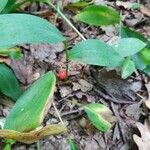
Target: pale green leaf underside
(94,114)
(128,68)
(3,4)
(98,15)
(29,110)
(95,52)
(129,46)
(18,29)
(9,85)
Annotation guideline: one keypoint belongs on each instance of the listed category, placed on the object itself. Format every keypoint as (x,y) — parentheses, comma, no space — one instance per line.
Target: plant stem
(66,19)
(38,145)
(58,114)
(67,59)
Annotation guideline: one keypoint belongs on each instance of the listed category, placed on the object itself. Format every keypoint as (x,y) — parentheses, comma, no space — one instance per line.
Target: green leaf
(22,29)
(147,70)
(125,32)
(30,109)
(100,116)
(95,52)
(139,63)
(73,146)
(9,5)
(128,68)
(14,53)
(129,46)
(98,15)
(145,55)
(3,4)
(8,83)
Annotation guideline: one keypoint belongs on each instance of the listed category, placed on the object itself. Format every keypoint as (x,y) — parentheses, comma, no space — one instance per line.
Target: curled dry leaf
(142,142)
(31,137)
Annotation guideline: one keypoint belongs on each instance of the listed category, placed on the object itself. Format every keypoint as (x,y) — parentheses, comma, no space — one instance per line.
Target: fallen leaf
(142,142)
(134,110)
(128,5)
(145,11)
(31,137)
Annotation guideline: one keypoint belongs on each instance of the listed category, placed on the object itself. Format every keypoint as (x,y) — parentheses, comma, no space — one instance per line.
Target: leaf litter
(81,88)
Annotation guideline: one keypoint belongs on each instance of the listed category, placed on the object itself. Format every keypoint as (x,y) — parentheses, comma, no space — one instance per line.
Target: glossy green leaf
(29,110)
(98,15)
(128,68)
(8,83)
(3,4)
(100,116)
(129,46)
(72,144)
(145,55)
(23,28)
(125,32)
(95,52)
(14,53)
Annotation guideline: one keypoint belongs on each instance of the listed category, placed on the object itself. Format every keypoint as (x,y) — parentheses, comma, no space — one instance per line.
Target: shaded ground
(86,84)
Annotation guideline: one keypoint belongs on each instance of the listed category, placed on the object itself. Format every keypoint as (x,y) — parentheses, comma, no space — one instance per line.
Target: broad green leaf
(33,136)
(125,32)
(29,110)
(100,116)
(25,29)
(95,52)
(128,68)
(3,4)
(98,15)
(9,5)
(139,63)
(8,83)
(145,55)
(129,46)
(73,146)
(14,53)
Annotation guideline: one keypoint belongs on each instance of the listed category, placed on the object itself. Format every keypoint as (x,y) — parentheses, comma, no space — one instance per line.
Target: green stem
(38,145)
(7,147)
(66,19)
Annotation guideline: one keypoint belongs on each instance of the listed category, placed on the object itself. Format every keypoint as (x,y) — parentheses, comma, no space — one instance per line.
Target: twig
(58,114)
(57,9)
(38,145)
(112,98)
(119,122)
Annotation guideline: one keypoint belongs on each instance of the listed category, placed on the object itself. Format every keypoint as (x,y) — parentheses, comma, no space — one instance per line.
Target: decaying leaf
(31,137)
(143,142)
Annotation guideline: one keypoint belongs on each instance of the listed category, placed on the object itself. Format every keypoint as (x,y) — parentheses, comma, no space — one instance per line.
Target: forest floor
(86,84)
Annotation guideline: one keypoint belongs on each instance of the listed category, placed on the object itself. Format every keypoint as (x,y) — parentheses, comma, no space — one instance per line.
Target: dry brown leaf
(145,11)
(31,137)
(142,142)
(5,60)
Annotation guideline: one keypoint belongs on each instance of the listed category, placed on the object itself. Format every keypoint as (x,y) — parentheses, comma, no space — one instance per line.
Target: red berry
(62,75)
